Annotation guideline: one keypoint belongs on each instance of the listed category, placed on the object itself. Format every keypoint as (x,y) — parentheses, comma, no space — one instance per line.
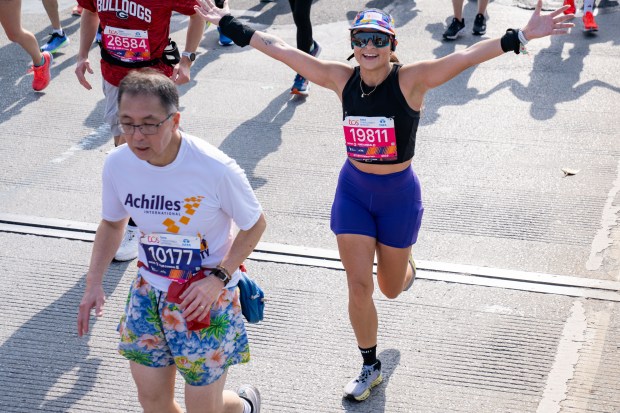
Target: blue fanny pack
(252,298)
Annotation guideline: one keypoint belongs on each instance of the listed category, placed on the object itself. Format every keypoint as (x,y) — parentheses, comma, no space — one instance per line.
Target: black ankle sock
(131,223)
(369,355)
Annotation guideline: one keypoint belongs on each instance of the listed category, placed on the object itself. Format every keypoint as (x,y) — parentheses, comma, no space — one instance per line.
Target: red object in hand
(174,296)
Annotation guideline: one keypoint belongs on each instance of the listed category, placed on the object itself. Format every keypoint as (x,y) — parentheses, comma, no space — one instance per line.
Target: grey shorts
(110,115)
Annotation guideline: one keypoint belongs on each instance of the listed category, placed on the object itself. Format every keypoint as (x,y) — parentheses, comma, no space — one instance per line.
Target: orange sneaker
(42,73)
(589,24)
(571,9)
(77,11)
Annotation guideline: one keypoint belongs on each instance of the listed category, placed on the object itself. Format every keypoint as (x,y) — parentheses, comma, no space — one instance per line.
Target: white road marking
(596,337)
(96,135)
(566,358)
(603,238)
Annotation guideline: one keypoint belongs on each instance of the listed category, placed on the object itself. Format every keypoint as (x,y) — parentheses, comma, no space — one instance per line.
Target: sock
(42,61)
(588,6)
(247,406)
(131,223)
(369,355)
(59,32)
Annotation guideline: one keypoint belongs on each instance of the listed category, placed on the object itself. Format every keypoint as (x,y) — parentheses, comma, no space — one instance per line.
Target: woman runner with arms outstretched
(378,206)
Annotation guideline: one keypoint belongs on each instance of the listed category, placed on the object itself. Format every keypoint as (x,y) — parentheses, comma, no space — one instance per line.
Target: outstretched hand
(548,24)
(210,12)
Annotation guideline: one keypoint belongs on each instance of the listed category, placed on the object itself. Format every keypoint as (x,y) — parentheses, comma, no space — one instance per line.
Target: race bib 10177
(173,256)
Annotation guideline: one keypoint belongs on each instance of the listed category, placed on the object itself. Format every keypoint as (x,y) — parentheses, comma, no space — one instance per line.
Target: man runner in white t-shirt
(184,195)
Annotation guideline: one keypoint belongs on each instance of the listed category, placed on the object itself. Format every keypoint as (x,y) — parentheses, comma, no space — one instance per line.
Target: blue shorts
(385,207)
(154,334)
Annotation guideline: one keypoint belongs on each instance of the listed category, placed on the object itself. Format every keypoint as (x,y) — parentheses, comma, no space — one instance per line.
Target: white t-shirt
(201,193)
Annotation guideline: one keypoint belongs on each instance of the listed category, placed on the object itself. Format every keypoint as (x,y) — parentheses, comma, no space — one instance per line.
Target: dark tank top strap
(352,82)
(399,93)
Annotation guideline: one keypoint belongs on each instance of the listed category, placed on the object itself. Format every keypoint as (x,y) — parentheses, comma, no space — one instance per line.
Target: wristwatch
(190,55)
(221,274)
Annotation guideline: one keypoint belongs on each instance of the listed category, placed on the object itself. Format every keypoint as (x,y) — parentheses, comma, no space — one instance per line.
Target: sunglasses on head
(361,39)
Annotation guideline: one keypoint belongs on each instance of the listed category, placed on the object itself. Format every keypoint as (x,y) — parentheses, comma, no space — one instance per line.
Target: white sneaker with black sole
(129,246)
(252,395)
(359,388)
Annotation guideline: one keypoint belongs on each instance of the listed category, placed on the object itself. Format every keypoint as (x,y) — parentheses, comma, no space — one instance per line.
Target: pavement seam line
(316,257)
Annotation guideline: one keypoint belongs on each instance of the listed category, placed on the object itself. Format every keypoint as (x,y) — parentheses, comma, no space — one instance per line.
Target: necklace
(364,94)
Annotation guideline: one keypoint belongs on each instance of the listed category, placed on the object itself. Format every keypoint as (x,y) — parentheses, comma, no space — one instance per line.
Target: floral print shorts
(153,333)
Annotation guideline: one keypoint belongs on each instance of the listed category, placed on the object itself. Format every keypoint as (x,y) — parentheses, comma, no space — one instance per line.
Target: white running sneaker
(251,394)
(359,388)
(413,268)
(129,246)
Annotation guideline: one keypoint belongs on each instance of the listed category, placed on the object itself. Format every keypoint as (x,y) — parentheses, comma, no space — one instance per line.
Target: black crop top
(378,121)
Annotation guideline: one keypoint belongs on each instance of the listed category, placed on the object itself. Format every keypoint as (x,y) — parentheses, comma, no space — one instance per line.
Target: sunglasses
(379,39)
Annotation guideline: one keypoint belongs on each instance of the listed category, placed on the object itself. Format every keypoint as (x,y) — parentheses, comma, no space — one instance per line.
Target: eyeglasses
(361,39)
(145,128)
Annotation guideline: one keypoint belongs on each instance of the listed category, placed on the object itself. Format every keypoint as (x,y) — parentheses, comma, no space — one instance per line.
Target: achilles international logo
(190,207)
(153,204)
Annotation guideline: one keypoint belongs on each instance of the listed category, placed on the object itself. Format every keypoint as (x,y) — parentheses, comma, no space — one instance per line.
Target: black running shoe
(480,25)
(455,29)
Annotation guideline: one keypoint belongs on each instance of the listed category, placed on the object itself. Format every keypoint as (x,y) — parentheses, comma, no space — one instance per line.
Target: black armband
(238,32)
(510,41)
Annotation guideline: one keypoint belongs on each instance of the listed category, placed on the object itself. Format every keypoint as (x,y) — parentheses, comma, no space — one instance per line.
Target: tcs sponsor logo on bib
(124,9)
(153,239)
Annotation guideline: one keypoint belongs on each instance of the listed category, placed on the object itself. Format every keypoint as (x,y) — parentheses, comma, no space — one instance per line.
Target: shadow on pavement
(269,16)
(44,348)
(16,88)
(256,138)
(455,92)
(545,91)
(403,11)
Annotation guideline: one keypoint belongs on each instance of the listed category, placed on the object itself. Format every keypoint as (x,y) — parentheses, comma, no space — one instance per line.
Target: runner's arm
(243,245)
(89,22)
(430,74)
(107,239)
(195,29)
(328,74)
(202,294)
(331,75)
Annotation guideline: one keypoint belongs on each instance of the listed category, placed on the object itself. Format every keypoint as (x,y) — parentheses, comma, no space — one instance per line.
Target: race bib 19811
(370,138)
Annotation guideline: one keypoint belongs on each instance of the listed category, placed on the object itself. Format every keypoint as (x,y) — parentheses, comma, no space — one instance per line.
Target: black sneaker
(454,30)
(480,25)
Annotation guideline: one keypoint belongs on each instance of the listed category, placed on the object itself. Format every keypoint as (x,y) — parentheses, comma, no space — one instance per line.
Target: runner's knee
(154,400)
(360,291)
(390,291)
